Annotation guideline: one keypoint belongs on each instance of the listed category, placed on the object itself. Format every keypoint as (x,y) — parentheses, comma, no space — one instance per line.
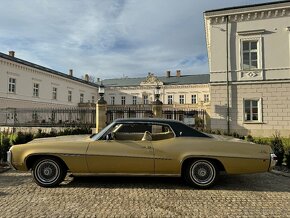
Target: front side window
(123,100)
(12,85)
(170,99)
(252,110)
(36,90)
(81,97)
(181,99)
(54,93)
(134,100)
(250,55)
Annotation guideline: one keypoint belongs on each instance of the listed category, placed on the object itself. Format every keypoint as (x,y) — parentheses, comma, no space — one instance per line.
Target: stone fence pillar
(101,118)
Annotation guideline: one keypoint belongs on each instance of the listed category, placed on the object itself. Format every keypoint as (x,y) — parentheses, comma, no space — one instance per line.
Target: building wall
(268,84)
(25,78)
(275,108)
(175,90)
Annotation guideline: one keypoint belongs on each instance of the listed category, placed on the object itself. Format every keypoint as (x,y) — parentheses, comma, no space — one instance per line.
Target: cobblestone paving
(256,195)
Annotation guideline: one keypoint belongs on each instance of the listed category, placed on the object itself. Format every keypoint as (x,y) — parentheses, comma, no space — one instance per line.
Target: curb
(280,173)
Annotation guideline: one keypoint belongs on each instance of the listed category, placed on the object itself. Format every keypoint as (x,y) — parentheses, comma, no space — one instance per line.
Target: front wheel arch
(30,160)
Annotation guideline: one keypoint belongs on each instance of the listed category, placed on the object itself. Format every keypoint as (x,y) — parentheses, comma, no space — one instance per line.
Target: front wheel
(48,172)
(201,173)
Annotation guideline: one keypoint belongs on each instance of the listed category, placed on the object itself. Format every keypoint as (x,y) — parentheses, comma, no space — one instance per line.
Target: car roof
(151,120)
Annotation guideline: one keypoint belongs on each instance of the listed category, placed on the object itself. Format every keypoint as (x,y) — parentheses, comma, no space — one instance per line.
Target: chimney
(87,77)
(12,53)
(70,73)
(168,73)
(178,73)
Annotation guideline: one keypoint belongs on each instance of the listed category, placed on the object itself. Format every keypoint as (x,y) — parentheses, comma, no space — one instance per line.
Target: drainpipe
(228,85)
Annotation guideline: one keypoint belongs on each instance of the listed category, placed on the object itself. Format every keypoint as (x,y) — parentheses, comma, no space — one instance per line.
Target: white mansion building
(27,85)
(249,55)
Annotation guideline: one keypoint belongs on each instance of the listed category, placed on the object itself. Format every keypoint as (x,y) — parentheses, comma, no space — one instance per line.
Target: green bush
(4,147)
(287,158)
(278,148)
(250,138)
(22,138)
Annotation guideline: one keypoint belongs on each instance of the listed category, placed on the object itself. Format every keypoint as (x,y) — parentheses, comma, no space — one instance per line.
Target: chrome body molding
(126,174)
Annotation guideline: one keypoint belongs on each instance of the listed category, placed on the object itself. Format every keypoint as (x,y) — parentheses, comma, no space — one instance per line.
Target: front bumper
(9,159)
(273,161)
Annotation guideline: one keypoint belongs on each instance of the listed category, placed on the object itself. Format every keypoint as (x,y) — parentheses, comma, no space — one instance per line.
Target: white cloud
(109,38)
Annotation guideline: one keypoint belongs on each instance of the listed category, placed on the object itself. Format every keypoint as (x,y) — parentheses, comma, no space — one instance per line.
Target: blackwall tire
(48,172)
(201,173)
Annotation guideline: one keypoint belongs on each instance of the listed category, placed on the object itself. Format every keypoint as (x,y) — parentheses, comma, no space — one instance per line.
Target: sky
(110,38)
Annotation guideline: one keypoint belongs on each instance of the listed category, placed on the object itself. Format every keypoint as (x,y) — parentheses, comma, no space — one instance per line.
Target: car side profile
(141,147)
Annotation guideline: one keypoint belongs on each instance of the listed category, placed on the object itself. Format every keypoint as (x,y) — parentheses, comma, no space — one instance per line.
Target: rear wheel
(201,173)
(48,172)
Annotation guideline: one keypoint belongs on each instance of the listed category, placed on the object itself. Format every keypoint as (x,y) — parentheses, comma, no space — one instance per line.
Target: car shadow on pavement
(253,182)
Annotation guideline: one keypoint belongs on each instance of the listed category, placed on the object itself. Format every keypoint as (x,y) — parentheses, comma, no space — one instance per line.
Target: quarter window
(36,90)
(12,85)
(250,55)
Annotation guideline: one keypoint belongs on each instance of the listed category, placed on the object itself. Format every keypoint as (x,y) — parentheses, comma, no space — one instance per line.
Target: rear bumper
(273,161)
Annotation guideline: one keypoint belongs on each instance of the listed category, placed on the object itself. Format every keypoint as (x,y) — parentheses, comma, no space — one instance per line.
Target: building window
(193,99)
(206,98)
(250,55)
(112,100)
(169,99)
(82,98)
(34,116)
(54,93)
(134,99)
(145,99)
(12,85)
(69,95)
(123,100)
(252,110)
(36,90)
(93,99)
(181,99)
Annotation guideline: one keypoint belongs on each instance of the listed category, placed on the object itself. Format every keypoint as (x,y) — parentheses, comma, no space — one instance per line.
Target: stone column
(101,117)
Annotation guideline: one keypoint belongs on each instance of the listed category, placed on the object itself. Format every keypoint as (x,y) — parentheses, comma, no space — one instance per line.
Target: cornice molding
(248,16)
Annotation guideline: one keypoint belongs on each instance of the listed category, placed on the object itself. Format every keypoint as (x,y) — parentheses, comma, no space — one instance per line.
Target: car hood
(70,138)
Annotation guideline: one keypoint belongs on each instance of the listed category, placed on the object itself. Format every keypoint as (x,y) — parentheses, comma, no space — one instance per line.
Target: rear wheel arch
(189,160)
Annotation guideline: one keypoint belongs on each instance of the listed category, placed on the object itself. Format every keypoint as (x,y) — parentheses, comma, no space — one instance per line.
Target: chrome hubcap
(47,171)
(202,172)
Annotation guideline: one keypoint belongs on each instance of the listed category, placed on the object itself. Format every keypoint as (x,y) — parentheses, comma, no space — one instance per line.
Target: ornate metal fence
(48,117)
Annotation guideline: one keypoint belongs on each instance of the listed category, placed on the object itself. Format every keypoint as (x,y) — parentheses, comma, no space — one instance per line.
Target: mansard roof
(172,80)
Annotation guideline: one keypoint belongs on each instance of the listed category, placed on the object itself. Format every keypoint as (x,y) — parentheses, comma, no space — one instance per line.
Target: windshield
(102,132)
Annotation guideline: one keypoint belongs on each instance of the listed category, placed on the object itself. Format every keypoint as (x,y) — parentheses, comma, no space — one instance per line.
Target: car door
(121,157)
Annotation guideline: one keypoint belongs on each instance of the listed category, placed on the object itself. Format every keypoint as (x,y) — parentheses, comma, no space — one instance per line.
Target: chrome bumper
(9,159)
(273,161)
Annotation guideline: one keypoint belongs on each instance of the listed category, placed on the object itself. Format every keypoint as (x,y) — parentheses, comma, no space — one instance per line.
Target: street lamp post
(157,95)
(101,93)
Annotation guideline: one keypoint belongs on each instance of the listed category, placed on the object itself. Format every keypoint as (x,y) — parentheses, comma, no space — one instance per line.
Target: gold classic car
(154,147)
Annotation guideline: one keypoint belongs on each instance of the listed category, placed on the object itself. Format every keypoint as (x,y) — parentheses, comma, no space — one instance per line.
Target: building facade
(27,85)
(177,93)
(249,61)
